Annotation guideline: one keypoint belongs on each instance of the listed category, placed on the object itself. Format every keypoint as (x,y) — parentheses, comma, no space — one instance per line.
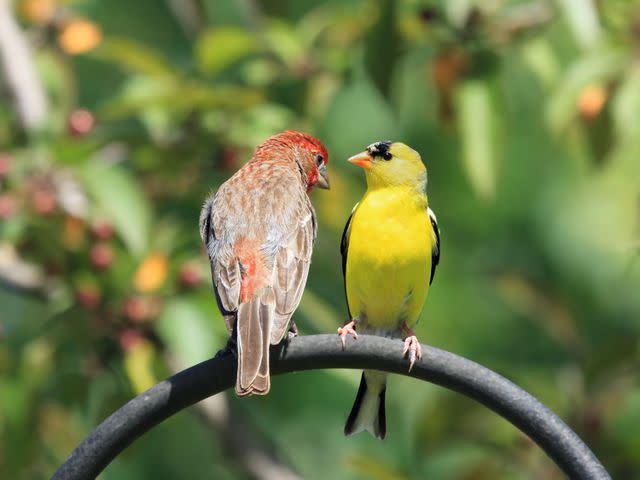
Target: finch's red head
(307,151)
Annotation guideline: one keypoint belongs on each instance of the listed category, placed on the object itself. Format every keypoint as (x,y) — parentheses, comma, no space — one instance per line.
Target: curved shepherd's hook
(325,351)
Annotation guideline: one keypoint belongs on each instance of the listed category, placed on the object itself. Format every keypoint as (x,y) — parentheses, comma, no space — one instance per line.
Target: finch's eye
(319,159)
(386,156)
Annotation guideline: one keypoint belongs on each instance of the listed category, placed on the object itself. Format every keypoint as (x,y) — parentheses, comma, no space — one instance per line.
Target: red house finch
(259,229)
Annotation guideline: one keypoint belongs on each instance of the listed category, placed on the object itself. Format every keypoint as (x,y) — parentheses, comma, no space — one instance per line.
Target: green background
(527,116)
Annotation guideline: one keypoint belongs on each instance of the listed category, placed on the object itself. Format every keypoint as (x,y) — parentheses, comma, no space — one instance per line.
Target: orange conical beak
(362,160)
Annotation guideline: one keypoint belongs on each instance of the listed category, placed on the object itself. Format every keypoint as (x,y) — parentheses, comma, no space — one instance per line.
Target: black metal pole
(325,351)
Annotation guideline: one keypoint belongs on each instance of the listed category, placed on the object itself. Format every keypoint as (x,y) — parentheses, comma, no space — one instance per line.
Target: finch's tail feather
(253,330)
(368,411)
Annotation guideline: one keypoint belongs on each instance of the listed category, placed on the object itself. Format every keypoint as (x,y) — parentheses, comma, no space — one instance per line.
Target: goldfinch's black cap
(380,149)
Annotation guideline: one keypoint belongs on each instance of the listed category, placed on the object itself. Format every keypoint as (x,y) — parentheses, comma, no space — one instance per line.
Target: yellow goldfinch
(390,249)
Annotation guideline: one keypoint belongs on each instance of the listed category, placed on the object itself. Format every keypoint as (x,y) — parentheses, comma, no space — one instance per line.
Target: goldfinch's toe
(347,329)
(412,350)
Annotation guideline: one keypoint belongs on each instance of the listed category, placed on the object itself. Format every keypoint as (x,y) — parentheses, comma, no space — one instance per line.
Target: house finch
(390,249)
(259,229)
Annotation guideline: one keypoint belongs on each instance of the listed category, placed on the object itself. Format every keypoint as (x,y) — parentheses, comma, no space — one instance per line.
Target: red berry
(44,201)
(135,310)
(88,297)
(5,165)
(190,275)
(303,68)
(591,100)
(102,230)
(230,158)
(142,309)
(129,339)
(101,256)
(8,205)
(81,123)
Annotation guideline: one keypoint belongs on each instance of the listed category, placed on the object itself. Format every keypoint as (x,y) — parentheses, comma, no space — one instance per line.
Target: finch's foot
(293,330)
(412,349)
(348,328)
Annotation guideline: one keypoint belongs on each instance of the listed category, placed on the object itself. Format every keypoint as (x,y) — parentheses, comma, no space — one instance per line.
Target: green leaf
(359,115)
(626,106)
(260,122)
(413,92)
(133,57)
(458,11)
(597,67)
(192,328)
(119,196)
(476,119)
(218,48)
(138,365)
(541,59)
(318,313)
(583,20)
(626,421)
(22,316)
(142,94)
(608,200)
(457,460)
(374,468)
(16,402)
(285,42)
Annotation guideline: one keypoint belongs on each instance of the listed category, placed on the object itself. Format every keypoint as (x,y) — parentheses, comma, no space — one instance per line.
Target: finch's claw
(349,328)
(413,349)
(293,331)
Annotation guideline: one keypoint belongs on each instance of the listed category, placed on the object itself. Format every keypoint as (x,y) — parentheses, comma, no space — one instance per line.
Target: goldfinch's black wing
(344,249)
(435,253)
(344,242)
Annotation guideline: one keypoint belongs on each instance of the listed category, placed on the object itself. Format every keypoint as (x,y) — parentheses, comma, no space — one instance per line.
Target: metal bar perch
(325,351)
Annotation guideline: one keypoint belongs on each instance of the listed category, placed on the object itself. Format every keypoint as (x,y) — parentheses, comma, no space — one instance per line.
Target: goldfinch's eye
(319,159)
(387,156)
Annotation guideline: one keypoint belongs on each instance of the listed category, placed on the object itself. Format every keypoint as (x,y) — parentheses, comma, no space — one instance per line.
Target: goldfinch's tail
(368,411)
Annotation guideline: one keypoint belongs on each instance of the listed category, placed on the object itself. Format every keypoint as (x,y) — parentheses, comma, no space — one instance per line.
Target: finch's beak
(323,177)
(362,160)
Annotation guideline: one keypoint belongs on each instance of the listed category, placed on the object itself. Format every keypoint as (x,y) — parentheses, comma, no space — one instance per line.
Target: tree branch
(17,62)
(325,351)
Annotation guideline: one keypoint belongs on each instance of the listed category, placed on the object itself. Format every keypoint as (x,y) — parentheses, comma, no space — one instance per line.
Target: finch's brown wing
(291,267)
(225,267)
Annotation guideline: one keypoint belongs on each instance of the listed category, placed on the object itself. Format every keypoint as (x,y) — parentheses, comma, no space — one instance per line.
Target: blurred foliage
(527,114)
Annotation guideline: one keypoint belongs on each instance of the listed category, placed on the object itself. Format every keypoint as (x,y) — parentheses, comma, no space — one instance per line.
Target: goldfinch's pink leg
(346,329)
(412,347)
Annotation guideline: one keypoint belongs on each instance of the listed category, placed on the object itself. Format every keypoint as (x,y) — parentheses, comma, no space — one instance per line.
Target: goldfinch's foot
(349,328)
(412,349)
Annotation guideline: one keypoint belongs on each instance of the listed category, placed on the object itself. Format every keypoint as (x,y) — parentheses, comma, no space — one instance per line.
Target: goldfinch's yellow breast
(389,257)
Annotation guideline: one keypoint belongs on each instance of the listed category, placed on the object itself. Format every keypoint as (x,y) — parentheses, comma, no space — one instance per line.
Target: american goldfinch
(390,249)
(259,230)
